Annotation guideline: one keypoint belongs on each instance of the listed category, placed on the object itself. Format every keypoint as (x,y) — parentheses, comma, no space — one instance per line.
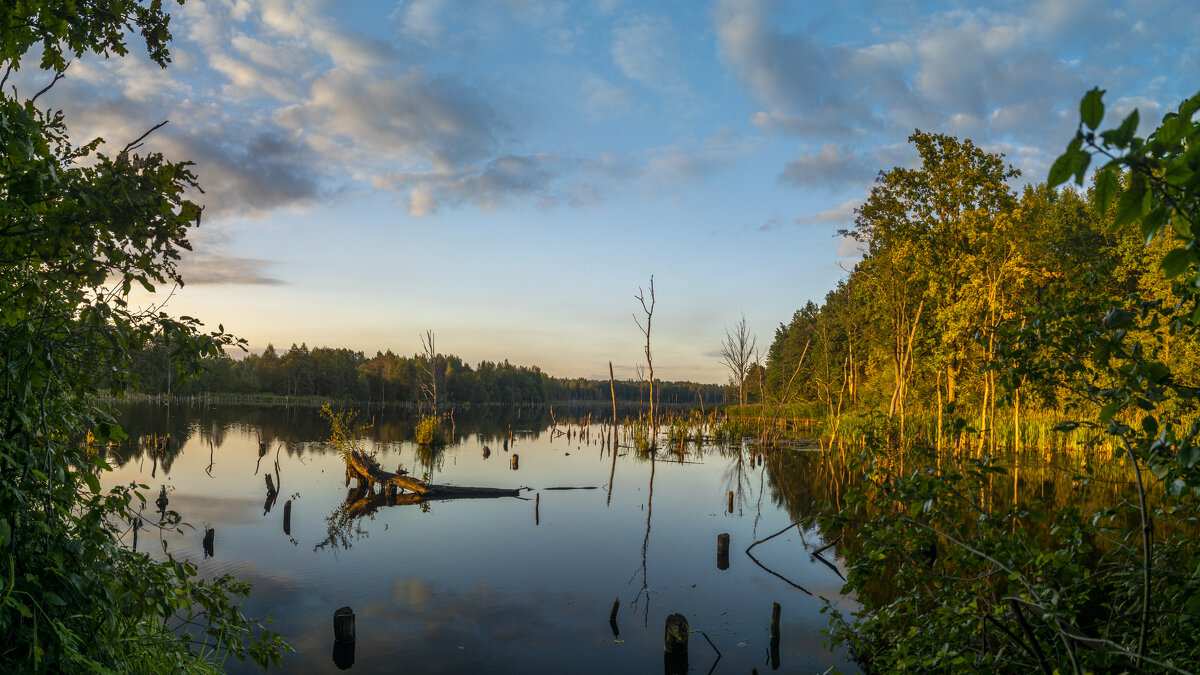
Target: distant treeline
(388,378)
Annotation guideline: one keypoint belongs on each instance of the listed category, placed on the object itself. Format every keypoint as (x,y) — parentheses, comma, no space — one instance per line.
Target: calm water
(497,585)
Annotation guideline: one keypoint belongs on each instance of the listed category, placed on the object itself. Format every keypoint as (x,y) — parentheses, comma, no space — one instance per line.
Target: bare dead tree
(433,373)
(736,351)
(648,310)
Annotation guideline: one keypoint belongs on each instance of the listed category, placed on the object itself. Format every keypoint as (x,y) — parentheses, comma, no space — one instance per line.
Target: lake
(498,585)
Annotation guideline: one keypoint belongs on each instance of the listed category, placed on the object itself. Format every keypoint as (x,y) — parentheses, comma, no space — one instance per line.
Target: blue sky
(508,173)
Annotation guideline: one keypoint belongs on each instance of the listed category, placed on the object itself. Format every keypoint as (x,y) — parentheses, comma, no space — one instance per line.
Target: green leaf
(1152,223)
(1110,409)
(1118,318)
(92,481)
(1107,187)
(1079,164)
(1121,136)
(1060,171)
(1091,108)
(1178,172)
(1132,205)
(1176,262)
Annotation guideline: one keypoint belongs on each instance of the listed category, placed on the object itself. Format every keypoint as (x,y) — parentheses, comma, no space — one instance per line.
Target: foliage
(429,431)
(345,374)
(77,230)
(1081,588)
(954,579)
(345,432)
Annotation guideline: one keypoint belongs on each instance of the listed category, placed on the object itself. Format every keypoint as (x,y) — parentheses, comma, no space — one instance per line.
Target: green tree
(78,229)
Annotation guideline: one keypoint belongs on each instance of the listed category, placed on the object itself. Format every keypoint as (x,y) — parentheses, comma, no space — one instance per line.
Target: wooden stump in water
(730,500)
(513,462)
(537,503)
(209,537)
(343,625)
(723,551)
(486,453)
(675,655)
(287,517)
(775,620)
(676,639)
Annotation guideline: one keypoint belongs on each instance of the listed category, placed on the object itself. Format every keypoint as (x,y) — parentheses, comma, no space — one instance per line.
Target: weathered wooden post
(723,551)
(730,500)
(343,638)
(513,462)
(612,617)
(774,636)
(287,517)
(343,625)
(209,535)
(537,502)
(675,644)
(486,452)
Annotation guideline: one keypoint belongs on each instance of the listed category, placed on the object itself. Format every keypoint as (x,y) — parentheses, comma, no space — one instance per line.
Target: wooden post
(612,618)
(723,551)
(676,639)
(209,536)
(537,502)
(486,452)
(287,517)
(513,462)
(730,500)
(343,625)
(775,609)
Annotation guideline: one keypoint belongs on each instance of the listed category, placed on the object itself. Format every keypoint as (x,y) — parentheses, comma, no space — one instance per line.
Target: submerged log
(368,472)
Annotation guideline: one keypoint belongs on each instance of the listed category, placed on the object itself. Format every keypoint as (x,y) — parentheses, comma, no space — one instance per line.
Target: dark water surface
(488,585)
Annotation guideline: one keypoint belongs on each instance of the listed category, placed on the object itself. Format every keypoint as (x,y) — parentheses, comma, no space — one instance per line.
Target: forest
(345,374)
(958,265)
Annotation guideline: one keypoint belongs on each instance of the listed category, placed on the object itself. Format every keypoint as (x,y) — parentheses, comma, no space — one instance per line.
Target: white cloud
(833,166)
(841,215)
(645,50)
(601,99)
(421,20)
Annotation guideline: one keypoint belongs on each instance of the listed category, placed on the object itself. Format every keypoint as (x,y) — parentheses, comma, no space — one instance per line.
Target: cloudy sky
(508,173)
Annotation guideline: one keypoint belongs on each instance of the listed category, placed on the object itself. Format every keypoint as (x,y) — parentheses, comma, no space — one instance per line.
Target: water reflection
(470,585)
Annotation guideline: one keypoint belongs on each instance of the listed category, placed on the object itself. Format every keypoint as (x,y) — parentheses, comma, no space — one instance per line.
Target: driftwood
(368,473)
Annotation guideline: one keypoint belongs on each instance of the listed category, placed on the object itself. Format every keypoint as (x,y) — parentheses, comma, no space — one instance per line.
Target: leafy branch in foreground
(78,231)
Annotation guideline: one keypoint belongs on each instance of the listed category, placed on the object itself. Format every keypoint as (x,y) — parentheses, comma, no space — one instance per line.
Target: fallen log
(368,473)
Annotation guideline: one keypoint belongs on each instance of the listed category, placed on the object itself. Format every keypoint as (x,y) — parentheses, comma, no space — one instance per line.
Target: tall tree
(737,350)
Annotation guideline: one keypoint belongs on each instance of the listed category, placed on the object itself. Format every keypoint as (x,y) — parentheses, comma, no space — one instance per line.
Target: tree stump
(287,517)
(209,535)
(730,501)
(343,625)
(723,551)
(514,461)
(774,648)
(676,639)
